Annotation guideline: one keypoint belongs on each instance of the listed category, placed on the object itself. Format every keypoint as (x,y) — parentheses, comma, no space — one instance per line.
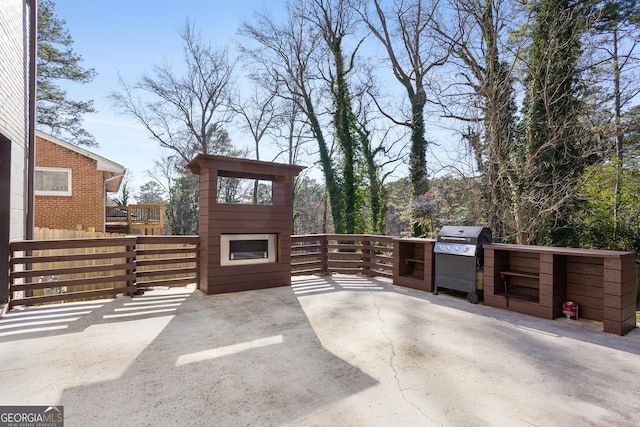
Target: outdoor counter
(536,280)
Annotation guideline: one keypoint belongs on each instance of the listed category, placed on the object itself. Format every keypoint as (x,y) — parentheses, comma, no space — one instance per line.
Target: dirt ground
(329,351)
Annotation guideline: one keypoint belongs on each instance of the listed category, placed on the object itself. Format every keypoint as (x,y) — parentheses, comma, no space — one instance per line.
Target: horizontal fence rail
(166,260)
(44,271)
(69,269)
(342,253)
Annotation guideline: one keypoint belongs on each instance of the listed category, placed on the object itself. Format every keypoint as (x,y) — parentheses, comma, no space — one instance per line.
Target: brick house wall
(85,207)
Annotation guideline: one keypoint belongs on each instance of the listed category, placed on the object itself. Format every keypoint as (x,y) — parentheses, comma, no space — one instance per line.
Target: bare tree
(183,112)
(150,193)
(125,192)
(379,146)
(481,95)
(293,137)
(314,57)
(405,31)
(259,115)
(334,20)
(288,53)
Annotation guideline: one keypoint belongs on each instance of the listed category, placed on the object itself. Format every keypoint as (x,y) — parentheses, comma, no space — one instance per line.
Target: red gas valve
(570,309)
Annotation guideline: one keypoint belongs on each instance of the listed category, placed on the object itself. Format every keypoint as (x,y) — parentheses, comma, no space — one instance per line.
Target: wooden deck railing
(342,253)
(71,269)
(166,261)
(132,217)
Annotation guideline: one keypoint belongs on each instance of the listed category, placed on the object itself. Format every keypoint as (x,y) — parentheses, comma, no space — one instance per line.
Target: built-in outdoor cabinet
(519,276)
(413,263)
(536,280)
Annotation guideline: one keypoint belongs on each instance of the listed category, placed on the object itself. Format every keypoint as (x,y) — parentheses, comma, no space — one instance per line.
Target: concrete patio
(340,350)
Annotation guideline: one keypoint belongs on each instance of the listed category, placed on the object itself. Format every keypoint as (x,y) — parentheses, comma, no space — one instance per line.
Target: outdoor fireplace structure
(244,246)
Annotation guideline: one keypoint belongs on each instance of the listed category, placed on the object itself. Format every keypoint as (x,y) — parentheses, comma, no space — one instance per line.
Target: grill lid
(469,235)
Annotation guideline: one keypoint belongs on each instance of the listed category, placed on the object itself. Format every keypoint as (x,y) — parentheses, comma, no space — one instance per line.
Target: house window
(53,182)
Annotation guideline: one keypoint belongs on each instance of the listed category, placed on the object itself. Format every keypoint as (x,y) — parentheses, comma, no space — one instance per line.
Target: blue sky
(129,37)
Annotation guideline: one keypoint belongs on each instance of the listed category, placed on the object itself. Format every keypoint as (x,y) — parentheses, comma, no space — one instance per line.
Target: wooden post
(619,294)
(131,268)
(5,213)
(324,255)
(366,257)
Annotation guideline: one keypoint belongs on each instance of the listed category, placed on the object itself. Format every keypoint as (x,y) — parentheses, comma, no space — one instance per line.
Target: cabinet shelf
(414,263)
(515,273)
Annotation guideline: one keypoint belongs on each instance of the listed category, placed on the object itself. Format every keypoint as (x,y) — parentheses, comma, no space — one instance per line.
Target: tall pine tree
(554,148)
(57,114)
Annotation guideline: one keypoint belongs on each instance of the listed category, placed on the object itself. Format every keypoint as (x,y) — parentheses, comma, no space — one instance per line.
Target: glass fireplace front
(243,249)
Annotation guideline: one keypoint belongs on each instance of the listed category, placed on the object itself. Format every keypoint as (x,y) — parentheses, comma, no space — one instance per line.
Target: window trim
(54,193)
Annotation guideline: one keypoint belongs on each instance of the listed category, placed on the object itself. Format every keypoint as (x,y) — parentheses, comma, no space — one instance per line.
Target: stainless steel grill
(458,258)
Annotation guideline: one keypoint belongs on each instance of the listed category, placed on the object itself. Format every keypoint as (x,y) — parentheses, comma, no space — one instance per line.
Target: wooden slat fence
(44,271)
(44,233)
(342,253)
(69,269)
(166,260)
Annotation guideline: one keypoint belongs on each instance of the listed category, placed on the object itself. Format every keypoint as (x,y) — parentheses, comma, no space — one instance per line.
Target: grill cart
(458,258)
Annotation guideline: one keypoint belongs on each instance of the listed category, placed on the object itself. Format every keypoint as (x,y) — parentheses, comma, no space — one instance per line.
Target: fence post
(131,267)
(366,257)
(324,256)
(5,283)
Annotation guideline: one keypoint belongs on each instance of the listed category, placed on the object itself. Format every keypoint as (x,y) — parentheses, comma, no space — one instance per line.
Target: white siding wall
(14,107)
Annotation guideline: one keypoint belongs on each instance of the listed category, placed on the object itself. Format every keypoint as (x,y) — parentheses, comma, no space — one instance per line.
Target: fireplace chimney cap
(235,167)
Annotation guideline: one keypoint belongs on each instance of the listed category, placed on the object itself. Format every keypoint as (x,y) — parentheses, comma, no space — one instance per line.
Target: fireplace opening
(248,249)
(242,249)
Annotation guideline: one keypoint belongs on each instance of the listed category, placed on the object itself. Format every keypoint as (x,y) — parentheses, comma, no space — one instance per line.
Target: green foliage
(182,209)
(56,113)
(424,209)
(309,216)
(151,193)
(346,135)
(125,192)
(592,224)
(551,103)
(615,13)
(398,216)
(451,201)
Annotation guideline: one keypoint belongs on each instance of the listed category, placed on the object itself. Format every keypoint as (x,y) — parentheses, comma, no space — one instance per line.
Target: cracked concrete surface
(339,350)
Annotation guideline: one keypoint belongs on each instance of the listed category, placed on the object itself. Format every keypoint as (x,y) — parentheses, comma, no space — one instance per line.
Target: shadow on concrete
(73,317)
(581,330)
(249,357)
(327,350)
(69,318)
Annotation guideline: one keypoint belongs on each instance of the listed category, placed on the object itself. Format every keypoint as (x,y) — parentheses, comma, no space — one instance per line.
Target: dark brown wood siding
(602,283)
(220,218)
